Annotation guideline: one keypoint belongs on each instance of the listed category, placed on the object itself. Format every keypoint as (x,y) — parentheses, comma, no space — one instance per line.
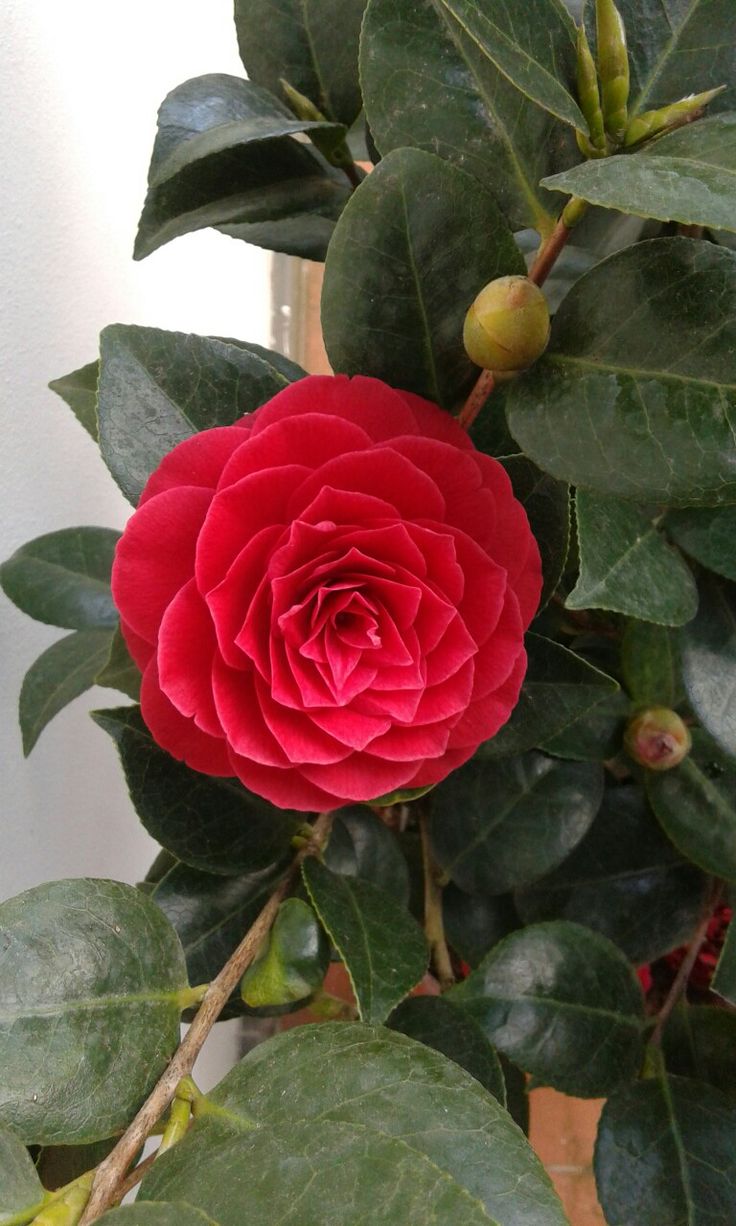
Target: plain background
(80,87)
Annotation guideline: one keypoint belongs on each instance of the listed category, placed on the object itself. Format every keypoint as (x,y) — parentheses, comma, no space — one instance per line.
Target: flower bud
(665,118)
(589,96)
(657,739)
(613,68)
(507,327)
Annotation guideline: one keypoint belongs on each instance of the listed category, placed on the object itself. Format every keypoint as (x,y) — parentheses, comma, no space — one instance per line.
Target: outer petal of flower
(374,406)
(178,735)
(199,460)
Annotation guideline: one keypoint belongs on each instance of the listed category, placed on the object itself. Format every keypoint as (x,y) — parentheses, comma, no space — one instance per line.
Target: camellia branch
(680,982)
(434,926)
(109,1180)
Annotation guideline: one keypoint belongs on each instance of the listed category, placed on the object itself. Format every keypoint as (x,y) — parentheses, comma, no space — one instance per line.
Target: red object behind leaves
(329,598)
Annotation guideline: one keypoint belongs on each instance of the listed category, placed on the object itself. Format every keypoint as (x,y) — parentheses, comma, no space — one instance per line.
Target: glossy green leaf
(708,534)
(687,176)
(65,670)
(474,923)
(428,84)
(436,1022)
(547,503)
(362,846)
(313,44)
(624,880)
(696,805)
(149,1214)
(666,1155)
(699,1041)
(307,235)
(158,388)
(724,980)
(563,1003)
(502,824)
(120,671)
(650,661)
(224,153)
(708,647)
(636,395)
(212,824)
(678,48)
(63,578)
(559,695)
(382,946)
(292,1112)
(211,915)
(89,1012)
(293,962)
(394,299)
(79,391)
(20,1187)
(627,565)
(595,738)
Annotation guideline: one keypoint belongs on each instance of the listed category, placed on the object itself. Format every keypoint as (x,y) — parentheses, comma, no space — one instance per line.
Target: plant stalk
(434,926)
(111,1172)
(680,982)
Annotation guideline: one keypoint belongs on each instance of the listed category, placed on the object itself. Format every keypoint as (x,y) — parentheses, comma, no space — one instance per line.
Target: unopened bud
(657,739)
(653,123)
(613,68)
(589,97)
(507,327)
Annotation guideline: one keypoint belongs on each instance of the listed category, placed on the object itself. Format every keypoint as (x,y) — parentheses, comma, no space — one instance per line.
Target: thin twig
(111,1171)
(477,398)
(434,926)
(680,982)
(136,1175)
(549,253)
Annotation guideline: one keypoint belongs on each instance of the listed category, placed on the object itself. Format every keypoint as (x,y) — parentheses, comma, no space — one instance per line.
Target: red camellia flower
(328,599)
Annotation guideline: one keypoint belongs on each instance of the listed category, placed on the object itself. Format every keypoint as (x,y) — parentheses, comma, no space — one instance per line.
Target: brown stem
(434,926)
(680,982)
(135,1176)
(111,1172)
(351,170)
(549,253)
(477,398)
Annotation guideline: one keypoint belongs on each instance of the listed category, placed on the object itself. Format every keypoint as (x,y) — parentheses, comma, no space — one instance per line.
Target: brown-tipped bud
(666,118)
(657,739)
(507,327)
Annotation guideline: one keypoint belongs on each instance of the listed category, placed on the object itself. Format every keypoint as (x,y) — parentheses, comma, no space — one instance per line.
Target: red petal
(178,735)
(435,422)
(186,650)
(199,460)
(288,789)
(311,439)
(410,491)
(240,714)
(368,403)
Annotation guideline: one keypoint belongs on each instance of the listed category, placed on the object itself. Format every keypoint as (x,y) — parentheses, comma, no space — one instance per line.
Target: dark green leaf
(92,972)
(502,824)
(699,1041)
(20,1187)
(306,235)
(650,660)
(696,805)
(666,1155)
(547,503)
(79,391)
(382,946)
(708,647)
(560,693)
(64,671)
(149,1214)
(313,44)
(291,1113)
(427,83)
(211,915)
(596,737)
(517,1094)
(624,880)
(158,388)
(212,824)
(708,534)
(636,395)
(563,1003)
(686,176)
(678,48)
(120,671)
(63,578)
(439,1024)
(474,923)
(223,155)
(58,1165)
(394,298)
(361,846)
(724,980)
(293,962)
(627,565)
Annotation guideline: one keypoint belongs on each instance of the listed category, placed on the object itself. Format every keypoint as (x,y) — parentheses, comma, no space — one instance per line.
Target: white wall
(79,90)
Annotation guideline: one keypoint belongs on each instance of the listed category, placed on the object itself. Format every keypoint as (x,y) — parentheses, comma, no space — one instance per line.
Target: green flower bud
(293,962)
(507,327)
(589,95)
(613,68)
(657,739)
(653,123)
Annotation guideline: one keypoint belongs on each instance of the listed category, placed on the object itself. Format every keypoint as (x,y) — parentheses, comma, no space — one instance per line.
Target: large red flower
(328,599)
